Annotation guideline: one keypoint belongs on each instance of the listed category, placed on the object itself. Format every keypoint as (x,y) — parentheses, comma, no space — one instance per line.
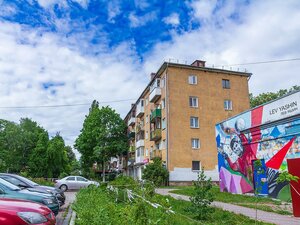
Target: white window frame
(227,105)
(195,143)
(193,101)
(194,124)
(163,103)
(192,79)
(146,135)
(163,123)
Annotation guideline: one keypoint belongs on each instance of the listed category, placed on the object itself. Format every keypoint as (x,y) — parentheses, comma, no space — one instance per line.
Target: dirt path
(261,215)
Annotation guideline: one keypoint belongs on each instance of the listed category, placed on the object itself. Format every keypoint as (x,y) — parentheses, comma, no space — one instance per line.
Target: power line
(264,62)
(64,105)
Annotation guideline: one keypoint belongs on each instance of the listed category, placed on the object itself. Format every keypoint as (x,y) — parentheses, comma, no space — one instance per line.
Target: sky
(70,52)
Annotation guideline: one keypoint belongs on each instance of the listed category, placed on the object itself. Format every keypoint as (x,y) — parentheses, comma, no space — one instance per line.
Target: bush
(155,172)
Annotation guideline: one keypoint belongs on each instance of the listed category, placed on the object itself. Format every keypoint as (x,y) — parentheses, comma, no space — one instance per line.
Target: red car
(21,212)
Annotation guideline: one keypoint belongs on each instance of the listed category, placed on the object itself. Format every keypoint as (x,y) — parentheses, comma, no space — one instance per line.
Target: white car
(74,182)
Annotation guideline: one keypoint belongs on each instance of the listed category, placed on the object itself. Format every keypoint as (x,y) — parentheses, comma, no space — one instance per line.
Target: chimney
(152,75)
(198,63)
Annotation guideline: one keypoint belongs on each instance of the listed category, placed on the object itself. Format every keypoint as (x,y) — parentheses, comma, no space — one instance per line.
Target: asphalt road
(70,198)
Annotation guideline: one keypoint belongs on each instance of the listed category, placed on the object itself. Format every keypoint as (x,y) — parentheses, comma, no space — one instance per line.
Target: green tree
(202,197)
(38,157)
(57,158)
(156,172)
(269,96)
(103,136)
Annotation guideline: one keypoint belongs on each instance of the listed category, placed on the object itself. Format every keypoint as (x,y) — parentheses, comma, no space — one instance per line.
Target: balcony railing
(140,143)
(139,159)
(131,135)
(155,154)
(131,121)
(155,94)
(140,108)
(131,148)
(155,135)
(156,113)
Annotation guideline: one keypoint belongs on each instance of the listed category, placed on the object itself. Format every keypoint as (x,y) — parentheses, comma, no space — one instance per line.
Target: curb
(73,217)
(67,218)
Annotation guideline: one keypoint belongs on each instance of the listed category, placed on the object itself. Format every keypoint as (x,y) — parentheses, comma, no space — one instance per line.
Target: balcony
(131,121)
(155,94)
(131,148)
(156,113)
(131,135)
(139,159)
(155,135)
(155,154)
(139,128)
(140,108)
(140,143)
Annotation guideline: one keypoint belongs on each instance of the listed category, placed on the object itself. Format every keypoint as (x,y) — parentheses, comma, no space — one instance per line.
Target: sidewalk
(261,215)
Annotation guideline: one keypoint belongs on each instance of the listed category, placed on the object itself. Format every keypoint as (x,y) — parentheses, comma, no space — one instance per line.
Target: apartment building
(174,118)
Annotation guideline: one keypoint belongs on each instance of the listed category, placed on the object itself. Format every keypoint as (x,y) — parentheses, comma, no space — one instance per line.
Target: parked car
(21,212)
(74,182)
(8,190)
(24,182)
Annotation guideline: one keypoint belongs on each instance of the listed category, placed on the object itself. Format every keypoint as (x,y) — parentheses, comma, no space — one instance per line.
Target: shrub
(155,172)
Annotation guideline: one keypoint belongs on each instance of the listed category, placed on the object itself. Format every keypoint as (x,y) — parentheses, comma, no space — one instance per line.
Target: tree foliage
(103,136)
(202,197)
(156,172)
(26,148)
(269,96)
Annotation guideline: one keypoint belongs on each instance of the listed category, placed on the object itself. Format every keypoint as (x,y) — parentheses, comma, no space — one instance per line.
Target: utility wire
(264,62)
(64,105)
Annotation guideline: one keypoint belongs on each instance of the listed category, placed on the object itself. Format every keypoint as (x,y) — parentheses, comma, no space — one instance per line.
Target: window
(163,82)
(147,152)
(226,84)
(194,122)
(147,119)
(195,143)
(142,103)
(81,179)
(194,102)
(196,165)
(227,104)
(146,136)
(146,101)
(163,123)
(163,103)
(71,178)
(192,79)
(164,144)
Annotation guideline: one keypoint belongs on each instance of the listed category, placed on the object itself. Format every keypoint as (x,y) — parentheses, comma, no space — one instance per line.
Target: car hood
(32,191)
(46,189)
(22,205)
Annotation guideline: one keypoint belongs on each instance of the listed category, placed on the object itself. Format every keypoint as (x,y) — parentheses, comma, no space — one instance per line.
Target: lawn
(264,203)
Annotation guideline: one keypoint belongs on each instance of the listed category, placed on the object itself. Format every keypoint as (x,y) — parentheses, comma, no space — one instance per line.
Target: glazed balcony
(140,108)
(131,121)
(155,154)
(156,113)
(140,143)
(155,135)
(131,148)
(155,94)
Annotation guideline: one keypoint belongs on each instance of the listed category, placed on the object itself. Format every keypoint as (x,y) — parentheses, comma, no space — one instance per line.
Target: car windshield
(9,185)
(31,183)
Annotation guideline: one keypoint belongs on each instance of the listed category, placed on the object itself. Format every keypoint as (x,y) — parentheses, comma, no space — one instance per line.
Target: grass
(264,203)
(96,206)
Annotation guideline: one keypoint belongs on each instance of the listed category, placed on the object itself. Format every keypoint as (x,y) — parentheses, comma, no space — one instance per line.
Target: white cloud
(25,67)
(47,3)
(114,10)
(265,30)
(173,19)
(138,21)
(203,9)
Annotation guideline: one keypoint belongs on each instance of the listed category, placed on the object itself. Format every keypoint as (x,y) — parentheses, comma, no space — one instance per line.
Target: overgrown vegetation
(155,172)
(97,206)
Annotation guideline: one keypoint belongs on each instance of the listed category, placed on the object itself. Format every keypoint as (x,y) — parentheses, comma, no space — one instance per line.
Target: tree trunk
(103,171)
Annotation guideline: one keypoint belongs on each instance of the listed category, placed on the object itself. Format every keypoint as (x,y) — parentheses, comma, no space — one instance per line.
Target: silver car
(74,182)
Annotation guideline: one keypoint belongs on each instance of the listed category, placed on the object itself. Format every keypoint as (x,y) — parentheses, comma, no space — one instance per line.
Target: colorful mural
(270,132)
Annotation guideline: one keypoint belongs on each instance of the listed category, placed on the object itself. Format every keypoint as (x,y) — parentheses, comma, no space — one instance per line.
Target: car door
(82,182)
(71,182)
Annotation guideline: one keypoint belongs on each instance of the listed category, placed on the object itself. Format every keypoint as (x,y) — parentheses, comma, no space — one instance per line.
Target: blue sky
(74,51)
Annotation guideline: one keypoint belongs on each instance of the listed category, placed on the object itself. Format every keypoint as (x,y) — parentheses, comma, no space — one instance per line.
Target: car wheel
(63,187)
